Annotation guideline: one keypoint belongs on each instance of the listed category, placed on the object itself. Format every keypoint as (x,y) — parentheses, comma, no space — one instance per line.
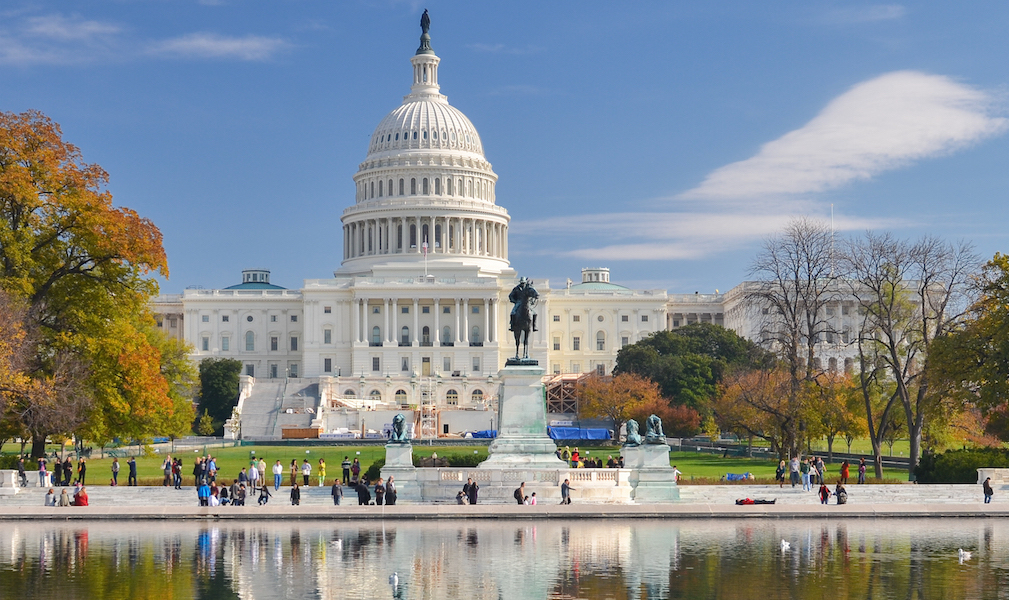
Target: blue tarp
(576,433)
(486,433)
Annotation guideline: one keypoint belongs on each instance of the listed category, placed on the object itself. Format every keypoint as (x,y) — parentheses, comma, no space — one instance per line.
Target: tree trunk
(830,449)
(38,446)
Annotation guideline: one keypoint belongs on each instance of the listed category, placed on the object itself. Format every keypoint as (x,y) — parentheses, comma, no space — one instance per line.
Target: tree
(83,268)
(829,408)
(910,295)
(677,421)
(219,381)
(206,424)
(757,403)
(796,283)
(690,362)
(616,398)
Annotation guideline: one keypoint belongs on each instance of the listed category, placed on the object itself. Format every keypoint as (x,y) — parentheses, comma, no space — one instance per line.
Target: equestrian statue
(523,319)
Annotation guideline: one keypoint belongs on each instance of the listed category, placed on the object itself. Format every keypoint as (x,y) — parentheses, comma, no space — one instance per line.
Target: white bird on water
(785,545)
(394,579)
(963,554)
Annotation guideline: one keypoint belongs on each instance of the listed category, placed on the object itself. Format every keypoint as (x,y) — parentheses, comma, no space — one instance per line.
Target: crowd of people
(575,460)
(812,472)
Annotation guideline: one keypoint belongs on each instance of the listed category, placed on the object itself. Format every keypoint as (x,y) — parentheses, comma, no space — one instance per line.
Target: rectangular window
(205,318)
(624,318)
(294,318)
(476,364)
(274,343)
(376,363)
(173,323)
(576,367)
(845,309)
(405,365)
(601,370)
(576,318)
(447,365)
(557,318)
(644,318)
(475,309)
(576,343)
(327,365)
(425,310)
(273,318)
(623,341)
(327,309)
(225,318)
(273,370)
(600,344)
(557,343)
(556,367)
(376,310)
(676,322)
(327,336)
(205,344)
(294,343)
(250,370)
(405,310)
(292,370)
(446,310)
(225,344)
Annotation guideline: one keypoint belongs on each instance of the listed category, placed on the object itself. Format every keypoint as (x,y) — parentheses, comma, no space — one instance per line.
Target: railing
(587,477)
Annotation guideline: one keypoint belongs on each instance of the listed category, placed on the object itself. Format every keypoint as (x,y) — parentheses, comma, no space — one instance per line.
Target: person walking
(293,471)
(676,475)
(379,492)
(821,470)
(42,471)
(337,492)
(132,479)
(176,473)
(278,475)
(295,494)
(861,470)
(253,476)
(355,470)
(793,470)
(322,472)
(779,473)
(532,499)
(306,472)
(390,492)
(520,493)
(824,493)
(262,471)
(844,472)
(804,468)
(566,492)
(363,495)
(345,465)
(115,471)
(988,492)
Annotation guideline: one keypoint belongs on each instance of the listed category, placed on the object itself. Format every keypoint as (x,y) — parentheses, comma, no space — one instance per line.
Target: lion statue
(653,431)
(399,430)
(633,438)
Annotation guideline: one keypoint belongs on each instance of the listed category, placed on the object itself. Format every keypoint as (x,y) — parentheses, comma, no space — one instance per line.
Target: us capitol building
(417,313)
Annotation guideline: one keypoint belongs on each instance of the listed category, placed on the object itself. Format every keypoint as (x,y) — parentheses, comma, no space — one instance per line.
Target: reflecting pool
(512,559)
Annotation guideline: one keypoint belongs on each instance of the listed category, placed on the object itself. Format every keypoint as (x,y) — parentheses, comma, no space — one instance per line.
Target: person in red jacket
(81,497)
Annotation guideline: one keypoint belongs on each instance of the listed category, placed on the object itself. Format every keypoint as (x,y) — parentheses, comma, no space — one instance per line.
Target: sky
(664,140)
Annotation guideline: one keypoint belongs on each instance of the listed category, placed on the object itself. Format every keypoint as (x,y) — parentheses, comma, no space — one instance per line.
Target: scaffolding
(561,396)
(428,409)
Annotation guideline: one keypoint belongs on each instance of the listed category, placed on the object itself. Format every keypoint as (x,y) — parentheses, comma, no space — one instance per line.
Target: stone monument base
(652,478)
(522,441)
(399,465)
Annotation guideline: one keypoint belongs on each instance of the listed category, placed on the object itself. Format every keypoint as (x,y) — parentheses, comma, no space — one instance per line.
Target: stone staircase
(261,409)
(857,494)
(167,496)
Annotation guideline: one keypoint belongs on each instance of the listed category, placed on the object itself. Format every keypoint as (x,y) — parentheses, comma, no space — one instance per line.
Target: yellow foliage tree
(616,398)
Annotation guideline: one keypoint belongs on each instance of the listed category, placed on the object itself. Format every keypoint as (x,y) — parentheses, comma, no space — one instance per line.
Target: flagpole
(424,246)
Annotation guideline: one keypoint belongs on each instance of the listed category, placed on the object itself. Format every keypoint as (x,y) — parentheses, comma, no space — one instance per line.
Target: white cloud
(212,45)
(866,14)
(58,27)
(878,125)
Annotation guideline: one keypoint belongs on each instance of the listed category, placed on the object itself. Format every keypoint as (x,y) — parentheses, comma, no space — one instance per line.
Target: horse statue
(523,319)
(653,431)
(633,438)
(399,430)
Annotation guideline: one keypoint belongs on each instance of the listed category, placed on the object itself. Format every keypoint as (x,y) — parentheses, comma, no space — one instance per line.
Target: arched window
(475,335)
(404,336)
(452,398)
(425,234)
(425,132)
(399,237)
(451,235)
(400,186)
(375,395)
(372,189)
(379,188)
(413,186)
(401,397)
(477,396)
(437,187)
(397,136)
(446,335)
(437,236)
(349,393)
(423,186)
(448,187)
(832,365)
(414,135)
(250,341)
(390,187)
(413,236)
(425,335)
(369,240)
(376,336)
(600,341)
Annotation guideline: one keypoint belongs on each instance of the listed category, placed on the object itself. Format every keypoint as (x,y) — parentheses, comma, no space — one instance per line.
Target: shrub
(375,470)
(958,466)
(465,460)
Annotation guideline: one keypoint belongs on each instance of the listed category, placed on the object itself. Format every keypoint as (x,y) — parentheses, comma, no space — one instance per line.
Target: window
(401,396)
(475,310)
(249,318)
(205,318)
(376,363)
(576,343)
(600,318)
(294,318)
(447,364)
(576,367)
(557,318)
(477,396)
(623,318)
(327,365)
(413,186)
(476,364)
(225,318)
(250,341)
(556,368)
(425,310)
(405,310)
(292,370)
(294,343)
(405,366)
(845,309)
(274,342)
(601,370)
(205,344)
(400,181)
(557,344)
(600,341)
(576,318)
(624,341)
(452,398)
(349,393)
(644,318)
(445,310)
(376,336)
(424,187)
(446,335)
(273,370)
(376,310)
(474,337)
(327,336)
(676,322)
(250,370)
(425,336)
(225,344)
(404,336)
(273,318)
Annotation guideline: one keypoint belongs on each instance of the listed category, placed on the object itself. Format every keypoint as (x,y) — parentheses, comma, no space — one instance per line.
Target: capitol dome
(425,191)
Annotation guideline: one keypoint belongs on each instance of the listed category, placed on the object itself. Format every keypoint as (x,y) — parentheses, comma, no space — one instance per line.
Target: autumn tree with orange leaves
(84,270)
(618,398)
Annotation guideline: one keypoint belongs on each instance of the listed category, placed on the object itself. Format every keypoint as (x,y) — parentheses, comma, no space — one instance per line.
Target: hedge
(959,466)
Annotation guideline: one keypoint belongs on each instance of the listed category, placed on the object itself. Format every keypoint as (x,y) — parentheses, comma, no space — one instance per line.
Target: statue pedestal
(652,477)
(522,440)
(399,464)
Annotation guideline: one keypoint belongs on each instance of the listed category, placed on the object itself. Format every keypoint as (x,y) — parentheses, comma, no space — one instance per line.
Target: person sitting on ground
(64,498)
(51,498)
(460,498)
(215,500)
(224,496)
(81,497)
(841,493)
(264,494)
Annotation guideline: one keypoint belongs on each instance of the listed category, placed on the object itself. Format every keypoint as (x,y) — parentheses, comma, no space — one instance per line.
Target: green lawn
(708,468)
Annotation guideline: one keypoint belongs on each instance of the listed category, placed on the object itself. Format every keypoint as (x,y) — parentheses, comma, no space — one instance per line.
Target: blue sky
(662,139)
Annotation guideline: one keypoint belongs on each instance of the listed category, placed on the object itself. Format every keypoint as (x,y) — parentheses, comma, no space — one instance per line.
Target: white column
(414,337)
(437,324)
(465,321)
(395,322)
(357,322)
(386,320)
(458,338)
(486,321)
(493,320)
(634,326)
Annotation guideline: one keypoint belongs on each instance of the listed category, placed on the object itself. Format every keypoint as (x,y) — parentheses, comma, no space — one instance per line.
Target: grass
(706,469)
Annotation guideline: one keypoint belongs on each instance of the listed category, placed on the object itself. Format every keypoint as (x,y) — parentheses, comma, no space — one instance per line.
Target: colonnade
(460,321)
(406,235)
